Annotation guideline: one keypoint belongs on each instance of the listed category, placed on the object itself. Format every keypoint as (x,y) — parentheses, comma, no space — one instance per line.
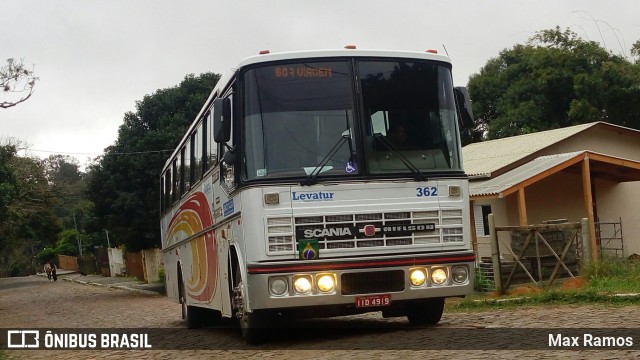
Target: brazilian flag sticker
(308,249)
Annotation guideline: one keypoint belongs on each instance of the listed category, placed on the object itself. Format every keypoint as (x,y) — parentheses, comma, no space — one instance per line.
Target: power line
(97,154)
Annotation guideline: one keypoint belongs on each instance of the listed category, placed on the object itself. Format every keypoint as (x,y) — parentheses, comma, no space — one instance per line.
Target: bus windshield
(294,115)
(410,117)
(299,118)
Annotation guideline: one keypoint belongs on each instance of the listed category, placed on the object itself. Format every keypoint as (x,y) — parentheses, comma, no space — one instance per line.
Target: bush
(68,243)
(46,254)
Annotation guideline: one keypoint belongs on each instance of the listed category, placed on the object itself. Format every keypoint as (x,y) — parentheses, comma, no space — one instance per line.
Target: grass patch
(601,282)
(614,276)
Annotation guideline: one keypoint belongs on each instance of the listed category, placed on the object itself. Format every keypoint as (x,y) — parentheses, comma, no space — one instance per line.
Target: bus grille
(372,282)
(448,229)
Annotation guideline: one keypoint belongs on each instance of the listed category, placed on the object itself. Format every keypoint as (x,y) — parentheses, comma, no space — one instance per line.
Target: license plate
(373,300)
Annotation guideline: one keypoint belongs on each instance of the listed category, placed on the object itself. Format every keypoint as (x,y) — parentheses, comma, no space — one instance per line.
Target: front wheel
(425,312)
(252,324)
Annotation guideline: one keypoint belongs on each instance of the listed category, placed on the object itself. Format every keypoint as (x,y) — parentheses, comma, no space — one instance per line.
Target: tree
(17,83)
(125,181)
(69,185)
(28,222)
(635,49)
(555,80)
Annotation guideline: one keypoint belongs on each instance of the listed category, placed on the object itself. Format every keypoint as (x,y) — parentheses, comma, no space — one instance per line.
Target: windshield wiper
(310,180)
(419,176)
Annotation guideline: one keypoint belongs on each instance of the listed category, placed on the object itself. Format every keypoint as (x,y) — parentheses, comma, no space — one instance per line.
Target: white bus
(321,183)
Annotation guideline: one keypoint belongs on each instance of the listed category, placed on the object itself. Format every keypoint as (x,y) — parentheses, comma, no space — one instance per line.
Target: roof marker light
(432,51)
(264,52)
(350,47)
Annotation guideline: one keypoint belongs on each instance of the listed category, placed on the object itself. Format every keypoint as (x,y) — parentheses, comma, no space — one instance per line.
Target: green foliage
(46,254)
(124,183)
(555,80)
(162,276)
(483,283)
(68,243)
(635,49)
(614,275)
(27,220)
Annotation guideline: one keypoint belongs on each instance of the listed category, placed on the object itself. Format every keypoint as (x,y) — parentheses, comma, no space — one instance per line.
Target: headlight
(417,277)
(459,274)
(326,283)
(302,284)
(278,286)
(439,276)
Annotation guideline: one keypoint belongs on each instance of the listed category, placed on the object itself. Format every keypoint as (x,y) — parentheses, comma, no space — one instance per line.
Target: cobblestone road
(33,302)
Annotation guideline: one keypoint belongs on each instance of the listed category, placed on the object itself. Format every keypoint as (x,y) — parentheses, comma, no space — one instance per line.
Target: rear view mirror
(222,120)
(463,104)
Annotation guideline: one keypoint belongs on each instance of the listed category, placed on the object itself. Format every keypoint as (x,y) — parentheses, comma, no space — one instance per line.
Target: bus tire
(252,324)
(425,312)
(254,327)
(195,317)
(182,299)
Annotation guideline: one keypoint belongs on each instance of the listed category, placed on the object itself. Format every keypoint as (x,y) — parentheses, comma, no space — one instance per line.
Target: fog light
(459,274)
(439,276)
(278,286)
(302,284)
(417,277)
(326,283)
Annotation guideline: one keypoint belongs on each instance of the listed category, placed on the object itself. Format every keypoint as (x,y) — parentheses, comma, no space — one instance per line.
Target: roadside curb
(113,286)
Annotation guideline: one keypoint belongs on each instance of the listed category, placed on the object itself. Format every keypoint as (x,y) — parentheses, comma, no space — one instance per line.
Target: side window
(163,193)
(186,150)
(228,171)
(211,145)
(205,143)
(168,189)
(175,191)
(181,173)
(196,154)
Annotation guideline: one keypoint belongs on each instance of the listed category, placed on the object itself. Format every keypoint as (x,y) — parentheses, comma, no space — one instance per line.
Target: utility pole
(108,243)
(78,236)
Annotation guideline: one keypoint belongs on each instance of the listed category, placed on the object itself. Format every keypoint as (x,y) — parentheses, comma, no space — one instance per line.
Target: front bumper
(357,277)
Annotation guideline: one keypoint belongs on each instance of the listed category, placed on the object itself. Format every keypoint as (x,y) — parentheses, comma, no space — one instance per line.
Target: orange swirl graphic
(192,217)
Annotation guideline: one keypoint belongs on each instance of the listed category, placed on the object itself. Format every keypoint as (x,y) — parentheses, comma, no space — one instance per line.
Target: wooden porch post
(522,208)
(588,207)
(474,237)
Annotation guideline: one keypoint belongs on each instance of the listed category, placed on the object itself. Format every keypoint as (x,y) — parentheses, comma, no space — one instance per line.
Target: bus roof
(310,54)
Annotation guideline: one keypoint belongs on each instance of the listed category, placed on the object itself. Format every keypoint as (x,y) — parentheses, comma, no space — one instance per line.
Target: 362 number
(427,191)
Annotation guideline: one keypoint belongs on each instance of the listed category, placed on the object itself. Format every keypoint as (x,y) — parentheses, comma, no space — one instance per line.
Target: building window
(481,216)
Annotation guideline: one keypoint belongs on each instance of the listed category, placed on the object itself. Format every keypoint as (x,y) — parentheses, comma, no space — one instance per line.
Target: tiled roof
(495,186)
(484,158)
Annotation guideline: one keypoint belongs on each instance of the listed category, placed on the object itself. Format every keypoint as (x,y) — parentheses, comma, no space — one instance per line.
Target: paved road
(33,302)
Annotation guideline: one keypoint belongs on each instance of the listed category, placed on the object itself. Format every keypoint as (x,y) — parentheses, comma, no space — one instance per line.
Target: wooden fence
(559,245)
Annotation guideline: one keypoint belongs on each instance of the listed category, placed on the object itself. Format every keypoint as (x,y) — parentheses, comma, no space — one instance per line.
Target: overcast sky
(96,58)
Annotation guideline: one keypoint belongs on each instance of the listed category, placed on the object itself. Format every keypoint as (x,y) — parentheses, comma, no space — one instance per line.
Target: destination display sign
(302,71)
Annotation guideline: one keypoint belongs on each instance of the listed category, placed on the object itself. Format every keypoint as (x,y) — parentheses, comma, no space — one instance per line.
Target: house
(585,171)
